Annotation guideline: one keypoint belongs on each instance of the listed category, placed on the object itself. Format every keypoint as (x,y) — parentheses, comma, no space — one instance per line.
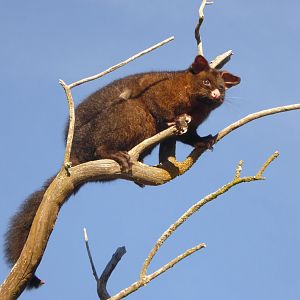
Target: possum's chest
(199,113)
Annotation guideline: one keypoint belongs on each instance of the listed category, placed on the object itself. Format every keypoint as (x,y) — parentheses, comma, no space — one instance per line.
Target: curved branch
(254,116)
(198,25)
(102,281)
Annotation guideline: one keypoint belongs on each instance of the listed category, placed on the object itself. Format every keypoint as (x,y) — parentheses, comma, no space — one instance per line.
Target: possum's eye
(222,89)
(206,82)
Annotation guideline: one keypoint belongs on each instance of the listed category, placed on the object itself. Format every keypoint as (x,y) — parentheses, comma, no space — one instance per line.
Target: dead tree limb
(144,278)
(198,25)
(111,265)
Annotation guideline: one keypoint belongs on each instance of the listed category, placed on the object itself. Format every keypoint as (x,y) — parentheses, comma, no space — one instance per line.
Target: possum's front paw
(206,142)
(181,122)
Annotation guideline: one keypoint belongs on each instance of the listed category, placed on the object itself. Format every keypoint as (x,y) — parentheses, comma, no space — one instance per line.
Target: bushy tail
(19,228)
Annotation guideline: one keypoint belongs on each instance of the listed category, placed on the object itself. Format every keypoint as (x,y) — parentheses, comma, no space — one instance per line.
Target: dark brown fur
(124,113)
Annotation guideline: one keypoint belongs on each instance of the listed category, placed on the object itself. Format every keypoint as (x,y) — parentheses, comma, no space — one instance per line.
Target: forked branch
(144,278)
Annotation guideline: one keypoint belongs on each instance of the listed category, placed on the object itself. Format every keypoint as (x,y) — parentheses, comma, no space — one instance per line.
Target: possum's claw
(181,122)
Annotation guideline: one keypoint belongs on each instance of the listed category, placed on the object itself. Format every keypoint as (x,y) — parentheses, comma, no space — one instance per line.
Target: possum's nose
(215,94)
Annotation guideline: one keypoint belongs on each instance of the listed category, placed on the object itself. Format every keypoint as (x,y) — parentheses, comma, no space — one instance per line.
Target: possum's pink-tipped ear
(230,79)
(200,64)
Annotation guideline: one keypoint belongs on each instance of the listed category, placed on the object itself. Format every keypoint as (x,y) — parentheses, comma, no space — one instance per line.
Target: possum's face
(210,84)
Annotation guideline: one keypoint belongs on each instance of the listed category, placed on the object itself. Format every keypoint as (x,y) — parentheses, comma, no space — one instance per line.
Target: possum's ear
(200,64)
(230,79)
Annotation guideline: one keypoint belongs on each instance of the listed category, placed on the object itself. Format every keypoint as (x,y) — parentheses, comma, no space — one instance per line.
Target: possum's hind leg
(121,157)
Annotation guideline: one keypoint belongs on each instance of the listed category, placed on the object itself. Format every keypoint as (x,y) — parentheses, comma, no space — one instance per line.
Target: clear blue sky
(252,232)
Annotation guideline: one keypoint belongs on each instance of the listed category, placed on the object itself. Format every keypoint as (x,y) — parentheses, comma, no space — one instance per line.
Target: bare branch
(255,116)
(174,261)
(86,240)
(237,179)
(111,265)
(102,282)
(266,164)
(148,143)
(138,284)
(67,163)
(198,25)
(221,60)
(144,279)
(113,68)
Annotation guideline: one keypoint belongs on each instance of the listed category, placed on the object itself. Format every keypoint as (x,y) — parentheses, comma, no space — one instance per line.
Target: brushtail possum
(122,114)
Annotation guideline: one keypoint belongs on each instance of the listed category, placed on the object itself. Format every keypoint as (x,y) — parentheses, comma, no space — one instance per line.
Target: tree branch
(121,64)
(221,60)
(144,279)
(102,282)
(198,25)
(86,240)
(254,116)
(111,265)
(67,163)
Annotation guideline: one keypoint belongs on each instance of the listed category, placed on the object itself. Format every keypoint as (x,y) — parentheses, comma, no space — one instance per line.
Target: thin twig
(266,164)
(122,63)
(86,240)
(174,261)
(239,169)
